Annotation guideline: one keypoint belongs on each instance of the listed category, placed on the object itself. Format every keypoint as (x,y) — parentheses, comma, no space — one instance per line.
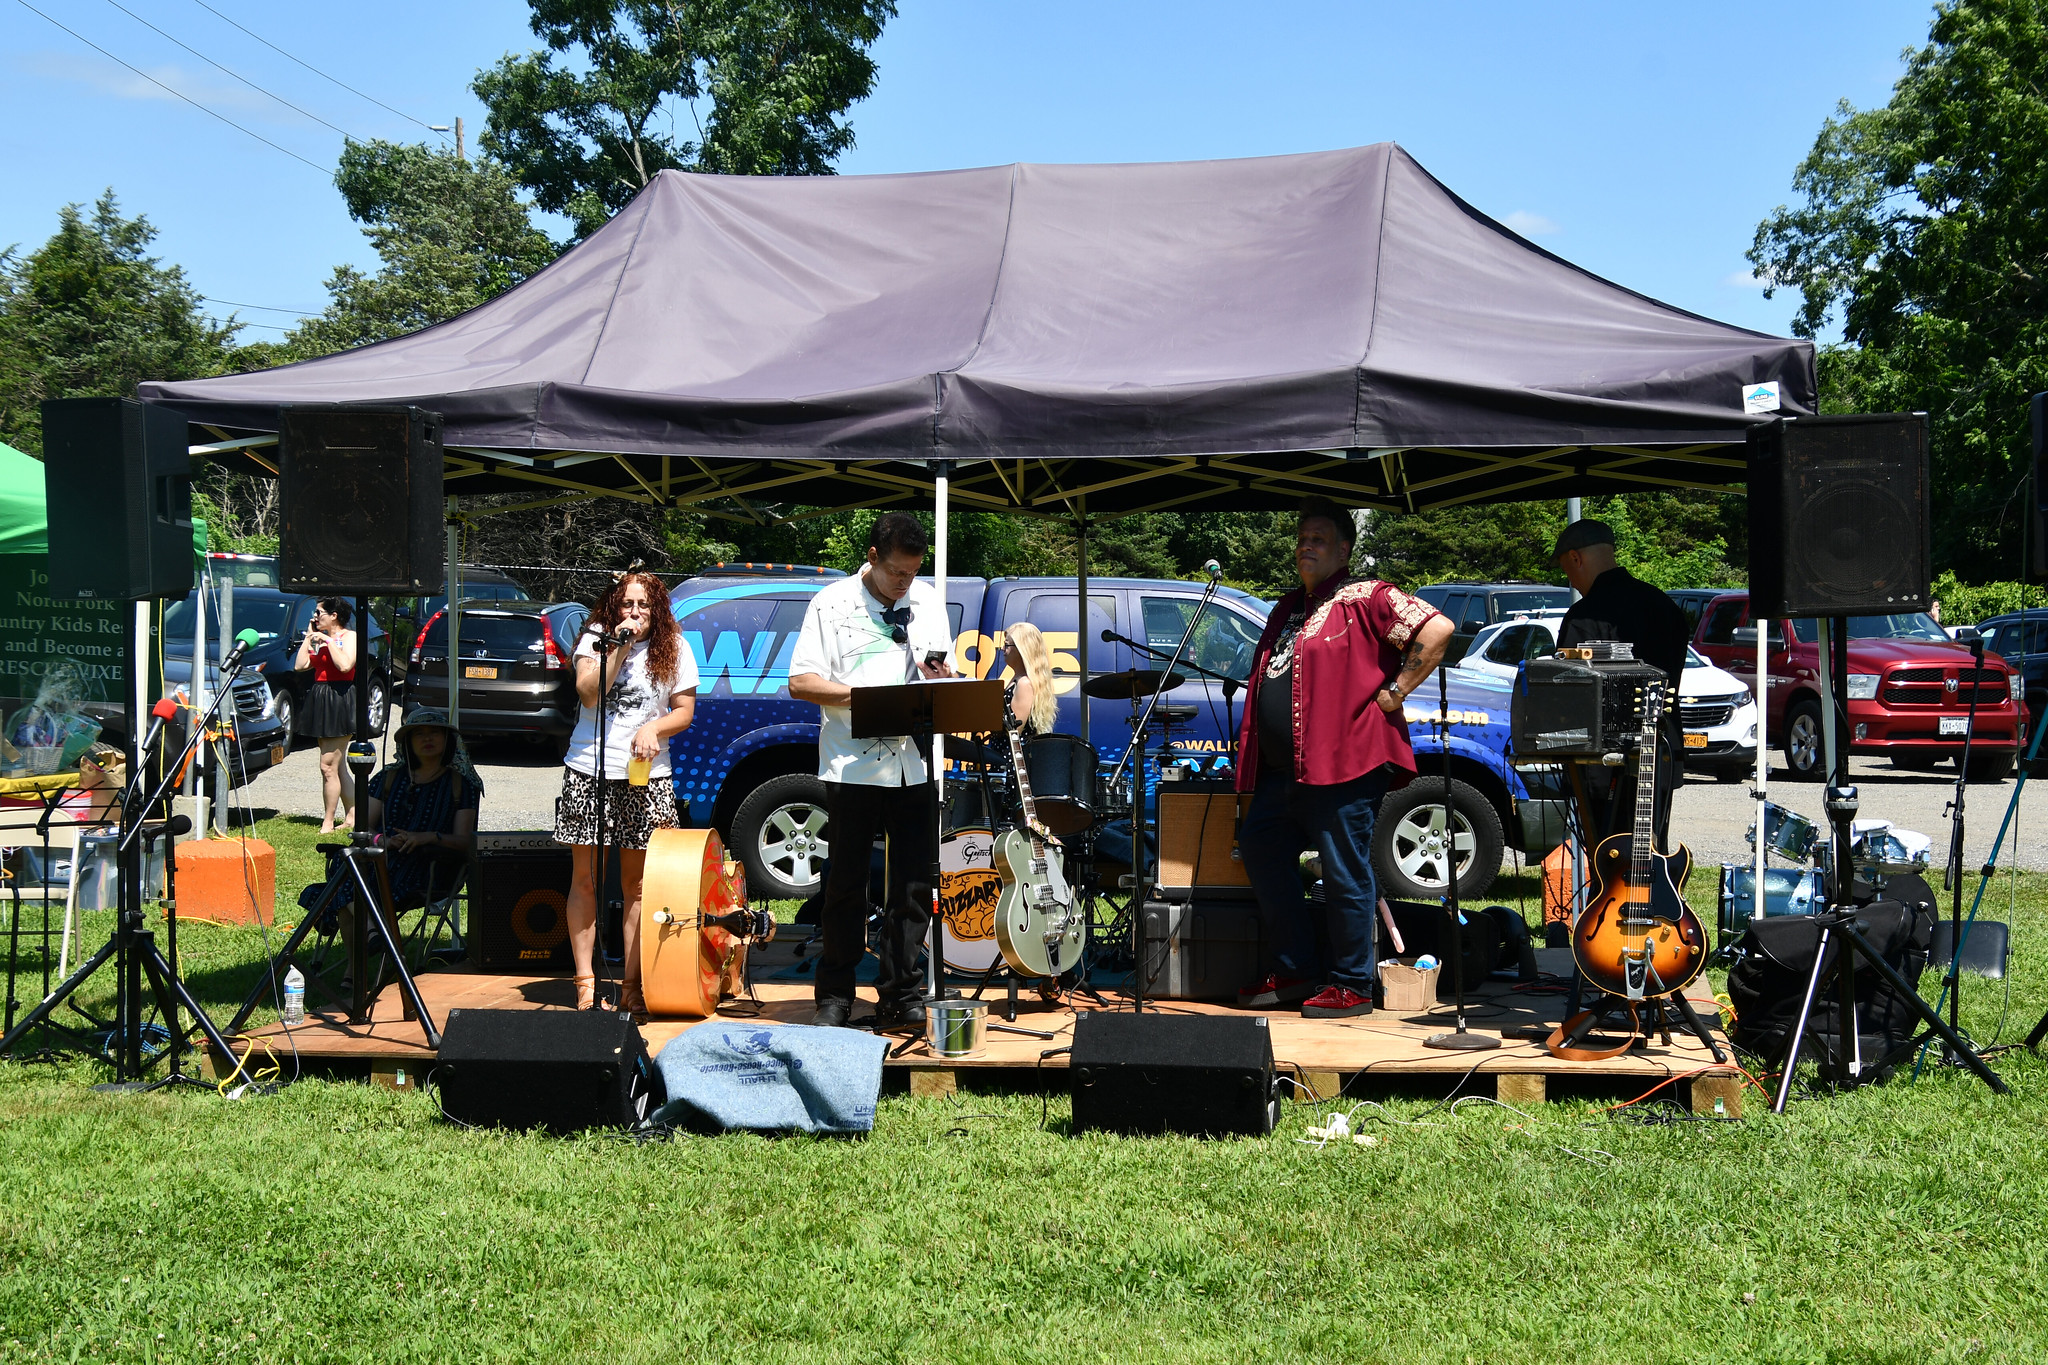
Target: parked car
(1716,706)
(410,614)
(2021,639)
(1909,694)
(1474,606)
(279,620)
(514,656)
(1693,601)
(748,764)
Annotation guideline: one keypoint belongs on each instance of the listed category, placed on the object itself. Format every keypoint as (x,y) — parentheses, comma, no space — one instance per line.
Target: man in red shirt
(1324,737)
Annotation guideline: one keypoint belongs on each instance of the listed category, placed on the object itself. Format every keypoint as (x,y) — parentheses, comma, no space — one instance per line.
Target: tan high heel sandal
(632,1001)
(586,992)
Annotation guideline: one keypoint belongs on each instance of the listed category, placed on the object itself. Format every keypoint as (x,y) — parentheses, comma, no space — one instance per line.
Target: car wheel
(380,705)
(287,712)
(1408,842)
(780,834)
(1989,768)
(1805,750)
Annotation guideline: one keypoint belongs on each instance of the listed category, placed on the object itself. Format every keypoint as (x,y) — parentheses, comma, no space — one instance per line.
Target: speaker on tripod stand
(1839,520)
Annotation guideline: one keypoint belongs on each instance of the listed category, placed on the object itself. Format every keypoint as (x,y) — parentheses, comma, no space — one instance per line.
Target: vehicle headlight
(1862,686)
(2016,685)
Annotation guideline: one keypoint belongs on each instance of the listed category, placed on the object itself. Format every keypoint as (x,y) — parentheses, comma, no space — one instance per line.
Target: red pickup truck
(1909,690)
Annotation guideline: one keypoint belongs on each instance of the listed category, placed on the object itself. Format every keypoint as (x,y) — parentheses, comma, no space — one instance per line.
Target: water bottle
(1427,962)
(294,997)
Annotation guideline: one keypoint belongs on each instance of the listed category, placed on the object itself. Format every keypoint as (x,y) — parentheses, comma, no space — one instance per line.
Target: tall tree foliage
(1924,228)
(90,314)
(628,88)
(449,234)
(1675,540)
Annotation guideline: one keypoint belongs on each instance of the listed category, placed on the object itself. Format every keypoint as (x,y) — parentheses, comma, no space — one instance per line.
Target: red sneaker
(1336,1002)
(1274,991)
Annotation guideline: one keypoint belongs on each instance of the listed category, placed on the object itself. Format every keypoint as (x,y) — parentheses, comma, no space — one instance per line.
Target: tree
(91,314)
(450,234)
(1924,227)
(762,84)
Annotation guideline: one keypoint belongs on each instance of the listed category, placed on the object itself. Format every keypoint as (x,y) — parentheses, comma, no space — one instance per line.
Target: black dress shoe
(831,1014)
(902,1014)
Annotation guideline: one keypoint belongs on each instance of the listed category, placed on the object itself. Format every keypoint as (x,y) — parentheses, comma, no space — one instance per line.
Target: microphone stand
(600,875)
(1147,800)
(1459,1040)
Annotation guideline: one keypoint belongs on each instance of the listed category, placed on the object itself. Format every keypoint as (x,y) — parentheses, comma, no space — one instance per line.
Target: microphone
(1109,637)
(245,641)
(166,709)
(1213,569)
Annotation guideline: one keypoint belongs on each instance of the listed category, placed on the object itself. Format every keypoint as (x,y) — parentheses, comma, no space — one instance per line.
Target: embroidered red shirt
(1349,647)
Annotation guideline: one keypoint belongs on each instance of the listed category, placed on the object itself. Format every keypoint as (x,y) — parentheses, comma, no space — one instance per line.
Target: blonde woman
(1030,692)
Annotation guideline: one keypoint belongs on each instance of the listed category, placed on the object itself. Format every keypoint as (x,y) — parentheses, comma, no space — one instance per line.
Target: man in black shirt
(1616,605)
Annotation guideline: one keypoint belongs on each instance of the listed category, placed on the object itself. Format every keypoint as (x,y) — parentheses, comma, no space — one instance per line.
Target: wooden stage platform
(1324,1053)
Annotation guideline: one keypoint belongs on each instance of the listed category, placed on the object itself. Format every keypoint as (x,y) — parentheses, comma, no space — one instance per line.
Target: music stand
(920,710)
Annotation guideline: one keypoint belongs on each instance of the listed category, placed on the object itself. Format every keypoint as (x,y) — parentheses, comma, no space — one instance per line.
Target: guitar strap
(1556,1047)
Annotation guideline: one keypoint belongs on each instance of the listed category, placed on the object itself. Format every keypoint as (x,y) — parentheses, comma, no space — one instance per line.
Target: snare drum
(1787,832)
(969,887)
(1062,781)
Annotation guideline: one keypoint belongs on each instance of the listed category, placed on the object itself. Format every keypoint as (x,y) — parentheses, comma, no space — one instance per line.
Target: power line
(259,307)
(236,74)
(310,67)
(324,172)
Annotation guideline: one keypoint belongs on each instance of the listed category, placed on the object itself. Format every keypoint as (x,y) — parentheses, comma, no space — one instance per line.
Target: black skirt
(329,711)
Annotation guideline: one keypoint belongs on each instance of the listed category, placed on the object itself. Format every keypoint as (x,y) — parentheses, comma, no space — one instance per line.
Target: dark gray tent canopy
(1079,340)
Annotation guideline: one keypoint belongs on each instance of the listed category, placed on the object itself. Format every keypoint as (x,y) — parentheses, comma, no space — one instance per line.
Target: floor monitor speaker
(562,1070)
(519,902)
(1839,519)
(360,495)
(117,487)
(1208,1075)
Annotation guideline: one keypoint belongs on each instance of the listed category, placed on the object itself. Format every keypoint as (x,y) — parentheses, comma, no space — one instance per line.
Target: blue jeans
(1287,818)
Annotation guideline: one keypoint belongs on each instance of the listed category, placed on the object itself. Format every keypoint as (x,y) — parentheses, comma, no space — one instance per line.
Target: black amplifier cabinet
(1202,944)
(1204,1074)
(1579,708)
(519,902)
(562,1070)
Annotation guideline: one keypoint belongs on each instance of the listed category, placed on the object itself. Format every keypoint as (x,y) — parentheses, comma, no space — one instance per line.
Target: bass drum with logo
(969,887)
(686,967)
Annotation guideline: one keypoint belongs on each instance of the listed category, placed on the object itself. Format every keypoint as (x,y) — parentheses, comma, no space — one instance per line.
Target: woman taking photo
(328,716)
(650,693)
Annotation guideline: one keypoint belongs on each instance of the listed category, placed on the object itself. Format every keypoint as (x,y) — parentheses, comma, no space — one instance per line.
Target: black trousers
(905,817)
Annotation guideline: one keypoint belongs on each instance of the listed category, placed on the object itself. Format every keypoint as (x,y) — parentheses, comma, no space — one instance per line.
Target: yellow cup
(637,770)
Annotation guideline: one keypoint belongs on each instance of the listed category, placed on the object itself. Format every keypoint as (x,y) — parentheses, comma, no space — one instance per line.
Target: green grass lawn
(337,1221)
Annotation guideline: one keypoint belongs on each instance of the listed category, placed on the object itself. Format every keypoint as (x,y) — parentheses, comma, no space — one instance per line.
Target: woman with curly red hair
(650,695)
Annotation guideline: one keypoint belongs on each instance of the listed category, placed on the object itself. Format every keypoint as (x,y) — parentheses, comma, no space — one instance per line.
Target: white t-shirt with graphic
(633,699)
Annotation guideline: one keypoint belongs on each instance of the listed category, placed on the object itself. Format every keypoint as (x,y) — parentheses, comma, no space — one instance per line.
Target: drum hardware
(1132,684)
(756,926)
(1172,714)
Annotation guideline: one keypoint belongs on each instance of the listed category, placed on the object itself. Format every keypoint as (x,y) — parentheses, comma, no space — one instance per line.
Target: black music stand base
(1462,1042)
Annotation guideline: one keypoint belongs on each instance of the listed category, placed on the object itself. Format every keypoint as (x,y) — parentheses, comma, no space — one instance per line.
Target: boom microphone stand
(600,874)
(1952,872)
(1147,799)
(1458,1040)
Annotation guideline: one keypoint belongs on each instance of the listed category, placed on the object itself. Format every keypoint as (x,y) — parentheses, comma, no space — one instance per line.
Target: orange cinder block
(229,881)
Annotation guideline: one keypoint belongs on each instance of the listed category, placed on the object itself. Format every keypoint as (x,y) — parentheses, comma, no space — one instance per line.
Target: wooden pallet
(1325,1054)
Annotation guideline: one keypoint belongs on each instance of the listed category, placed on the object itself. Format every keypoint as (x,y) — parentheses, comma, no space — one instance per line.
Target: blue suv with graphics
(747,766)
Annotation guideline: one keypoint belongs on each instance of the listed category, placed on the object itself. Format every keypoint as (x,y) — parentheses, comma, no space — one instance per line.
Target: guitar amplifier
(1198,823)
(1206,946)
(1578,708)
(519,902)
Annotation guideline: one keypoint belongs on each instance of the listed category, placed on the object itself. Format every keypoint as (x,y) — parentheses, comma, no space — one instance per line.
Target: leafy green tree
(90,313)
(628,88)
(450,234)
(1924,228)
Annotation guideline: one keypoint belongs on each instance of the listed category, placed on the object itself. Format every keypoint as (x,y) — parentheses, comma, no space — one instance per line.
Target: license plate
(1954,725)
(488,672)
(1694,740)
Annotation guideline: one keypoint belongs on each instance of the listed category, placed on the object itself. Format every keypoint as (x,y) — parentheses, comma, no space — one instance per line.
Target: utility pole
(442,128)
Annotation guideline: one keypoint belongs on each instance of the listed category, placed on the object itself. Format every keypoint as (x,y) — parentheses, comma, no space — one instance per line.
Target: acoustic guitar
(1036,926)
(1639,938)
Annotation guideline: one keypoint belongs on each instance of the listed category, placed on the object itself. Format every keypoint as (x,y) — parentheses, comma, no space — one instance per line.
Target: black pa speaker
(1204,1074)
(519,902)
(562,1070)
(360,489)
(117,483)
(1839,520)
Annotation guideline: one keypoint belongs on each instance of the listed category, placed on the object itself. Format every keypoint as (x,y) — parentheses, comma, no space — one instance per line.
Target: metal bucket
(954,1027)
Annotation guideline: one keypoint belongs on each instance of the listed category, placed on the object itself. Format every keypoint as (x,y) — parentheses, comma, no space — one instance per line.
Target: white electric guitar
(1036,926)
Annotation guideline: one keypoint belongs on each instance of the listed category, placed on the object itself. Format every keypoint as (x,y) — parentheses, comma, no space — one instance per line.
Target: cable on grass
(1044,1102)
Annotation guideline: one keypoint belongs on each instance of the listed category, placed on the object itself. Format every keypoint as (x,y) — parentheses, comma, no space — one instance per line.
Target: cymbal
(1171,713)
(1132,682)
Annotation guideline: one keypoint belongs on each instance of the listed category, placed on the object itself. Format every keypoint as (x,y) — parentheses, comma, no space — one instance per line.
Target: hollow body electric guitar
(1638,938)
(1036,927)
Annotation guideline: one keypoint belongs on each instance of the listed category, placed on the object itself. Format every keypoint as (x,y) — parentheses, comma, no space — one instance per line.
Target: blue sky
(1643,141)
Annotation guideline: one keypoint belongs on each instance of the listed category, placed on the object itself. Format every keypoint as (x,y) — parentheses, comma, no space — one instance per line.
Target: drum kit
(1073,801)
(1877,850)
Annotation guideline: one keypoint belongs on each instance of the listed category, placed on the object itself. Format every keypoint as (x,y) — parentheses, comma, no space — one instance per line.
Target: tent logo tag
(1760,397)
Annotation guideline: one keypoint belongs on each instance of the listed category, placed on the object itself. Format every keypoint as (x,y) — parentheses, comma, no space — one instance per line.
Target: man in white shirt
(877,628)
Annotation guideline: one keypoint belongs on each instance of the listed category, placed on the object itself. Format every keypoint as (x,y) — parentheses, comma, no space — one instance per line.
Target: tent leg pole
(935,752)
